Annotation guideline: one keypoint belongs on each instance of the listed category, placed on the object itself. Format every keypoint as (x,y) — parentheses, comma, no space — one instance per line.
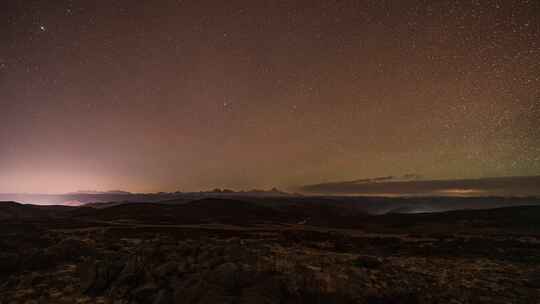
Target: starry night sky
(191,95)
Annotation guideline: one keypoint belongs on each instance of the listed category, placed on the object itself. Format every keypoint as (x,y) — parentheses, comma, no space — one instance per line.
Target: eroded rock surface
(175,265)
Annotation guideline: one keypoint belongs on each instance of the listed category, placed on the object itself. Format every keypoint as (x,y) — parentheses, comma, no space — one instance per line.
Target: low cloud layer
(409,185)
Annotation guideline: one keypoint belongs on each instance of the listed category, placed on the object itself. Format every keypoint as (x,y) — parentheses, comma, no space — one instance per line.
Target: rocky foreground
(266,251)
(273,264)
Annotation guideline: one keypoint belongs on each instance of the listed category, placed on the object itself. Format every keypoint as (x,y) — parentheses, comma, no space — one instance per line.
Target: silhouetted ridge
(13,210)
(200,211)
(17,211)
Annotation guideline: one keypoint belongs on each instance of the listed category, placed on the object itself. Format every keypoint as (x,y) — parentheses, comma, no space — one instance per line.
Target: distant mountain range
(389,186)
(100,192)
(79,198)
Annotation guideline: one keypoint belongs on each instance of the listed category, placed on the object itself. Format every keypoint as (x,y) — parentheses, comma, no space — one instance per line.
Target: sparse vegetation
(80,255)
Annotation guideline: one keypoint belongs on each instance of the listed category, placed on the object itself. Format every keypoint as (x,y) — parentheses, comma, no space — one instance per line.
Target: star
(42,28)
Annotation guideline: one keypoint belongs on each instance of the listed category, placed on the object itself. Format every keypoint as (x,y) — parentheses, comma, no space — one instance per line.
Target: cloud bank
(410,185)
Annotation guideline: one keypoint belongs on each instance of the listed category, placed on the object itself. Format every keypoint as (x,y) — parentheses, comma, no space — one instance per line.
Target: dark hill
(501,220)
(15,211)
(12,211)
(195,212)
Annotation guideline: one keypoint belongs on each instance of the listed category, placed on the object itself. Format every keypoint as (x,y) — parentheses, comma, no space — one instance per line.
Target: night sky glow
(166,95)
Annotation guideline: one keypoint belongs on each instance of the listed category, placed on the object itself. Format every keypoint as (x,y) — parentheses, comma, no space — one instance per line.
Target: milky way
(189,95)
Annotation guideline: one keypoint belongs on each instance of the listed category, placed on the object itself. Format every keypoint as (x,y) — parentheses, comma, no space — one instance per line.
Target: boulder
(533,279)
(145,293)
(368,261)
(69,250)
(8,262)
(163,296)
(134,270)
(96,276)
(87,275)
(38,260)
(166,270)
(224,275)
(189,290)
(269,290)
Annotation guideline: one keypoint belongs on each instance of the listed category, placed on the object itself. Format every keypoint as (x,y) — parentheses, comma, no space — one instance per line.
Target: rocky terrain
(223,251)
